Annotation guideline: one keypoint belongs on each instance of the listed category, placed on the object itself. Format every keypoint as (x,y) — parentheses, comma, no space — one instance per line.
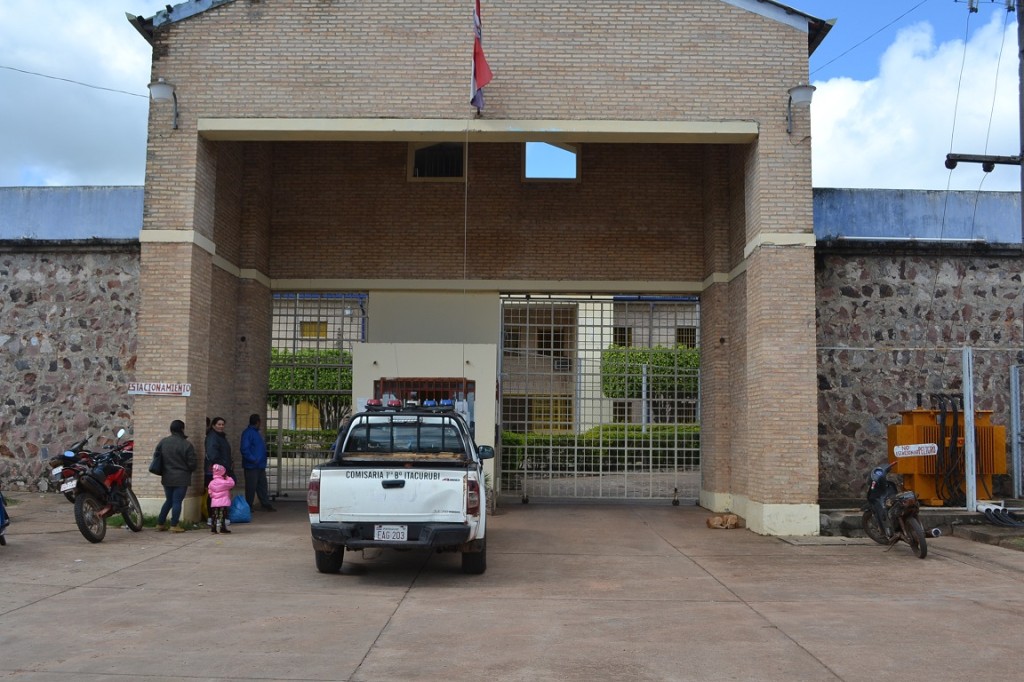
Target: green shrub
(295,440)
(604,448)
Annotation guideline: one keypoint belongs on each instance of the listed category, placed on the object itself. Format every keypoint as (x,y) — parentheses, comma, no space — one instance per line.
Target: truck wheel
(475,563)
(329,562)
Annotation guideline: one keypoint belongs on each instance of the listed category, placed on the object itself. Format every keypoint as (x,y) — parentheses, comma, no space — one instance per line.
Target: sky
(900,83)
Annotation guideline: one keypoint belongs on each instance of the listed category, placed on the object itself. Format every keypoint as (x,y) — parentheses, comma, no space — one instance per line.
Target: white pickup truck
(401,478)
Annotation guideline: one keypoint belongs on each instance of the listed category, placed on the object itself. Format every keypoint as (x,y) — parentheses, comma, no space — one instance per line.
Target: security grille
(310,391)
(1016,429)
(599,398)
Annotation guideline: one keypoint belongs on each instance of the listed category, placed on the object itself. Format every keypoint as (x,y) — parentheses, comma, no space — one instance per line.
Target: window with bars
(551,413)
(686,336)
(313,329)
(622,337)
(622,412)
(512,342)
(552,341)
(440,161)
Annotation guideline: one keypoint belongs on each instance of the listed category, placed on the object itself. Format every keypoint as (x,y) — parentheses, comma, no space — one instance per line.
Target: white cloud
(57,133)
(895,130)
(892,131)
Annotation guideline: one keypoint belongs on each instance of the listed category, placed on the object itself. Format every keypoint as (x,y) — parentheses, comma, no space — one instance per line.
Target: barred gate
(310,392)
(599,398)
(1017,430)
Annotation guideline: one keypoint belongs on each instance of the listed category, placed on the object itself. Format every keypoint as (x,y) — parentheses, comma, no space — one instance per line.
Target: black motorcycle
(68,467)
(891,515)
(106,489)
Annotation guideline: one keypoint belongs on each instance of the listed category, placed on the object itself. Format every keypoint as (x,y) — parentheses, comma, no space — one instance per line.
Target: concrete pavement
(570,593)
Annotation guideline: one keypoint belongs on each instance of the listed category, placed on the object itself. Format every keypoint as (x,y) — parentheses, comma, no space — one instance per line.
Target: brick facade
(343,210)
(890,324)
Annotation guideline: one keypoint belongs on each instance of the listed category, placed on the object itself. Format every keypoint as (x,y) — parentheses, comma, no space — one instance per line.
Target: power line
(870,37)
(68,80)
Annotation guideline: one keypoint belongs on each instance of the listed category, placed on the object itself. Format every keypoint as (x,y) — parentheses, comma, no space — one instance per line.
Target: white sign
(159,388)
(920,450)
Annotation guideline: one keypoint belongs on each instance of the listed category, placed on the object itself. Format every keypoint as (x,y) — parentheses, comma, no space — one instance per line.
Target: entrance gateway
(600,398)
(598,394)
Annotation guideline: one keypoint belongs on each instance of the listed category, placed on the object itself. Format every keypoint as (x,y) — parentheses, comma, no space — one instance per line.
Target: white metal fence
(599,398)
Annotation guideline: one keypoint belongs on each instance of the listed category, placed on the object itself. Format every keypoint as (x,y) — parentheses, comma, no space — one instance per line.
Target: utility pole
(988,163)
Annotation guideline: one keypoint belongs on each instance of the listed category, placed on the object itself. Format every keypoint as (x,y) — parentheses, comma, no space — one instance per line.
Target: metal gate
(310,389)
(1016,430)
(599,398)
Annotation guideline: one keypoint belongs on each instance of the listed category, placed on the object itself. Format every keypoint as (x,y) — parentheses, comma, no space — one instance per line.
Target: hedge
(605,448)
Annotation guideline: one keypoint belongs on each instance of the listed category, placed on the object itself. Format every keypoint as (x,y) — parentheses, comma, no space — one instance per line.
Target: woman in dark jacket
(179,461)
(218,450)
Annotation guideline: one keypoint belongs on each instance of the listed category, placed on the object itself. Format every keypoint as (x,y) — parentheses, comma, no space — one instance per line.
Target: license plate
(56,471)
(68,485)
(397,533)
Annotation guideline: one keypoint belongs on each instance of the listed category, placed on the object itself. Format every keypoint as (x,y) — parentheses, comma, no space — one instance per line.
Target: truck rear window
(397,437)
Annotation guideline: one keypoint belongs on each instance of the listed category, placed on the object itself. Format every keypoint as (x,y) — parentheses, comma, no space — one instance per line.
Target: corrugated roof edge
(171,15)
(817,28)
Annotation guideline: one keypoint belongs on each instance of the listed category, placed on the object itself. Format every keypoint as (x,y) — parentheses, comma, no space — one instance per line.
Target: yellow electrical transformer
(922,475)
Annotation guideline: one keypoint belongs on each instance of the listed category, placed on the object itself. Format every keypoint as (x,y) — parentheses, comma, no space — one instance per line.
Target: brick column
(176,288)
(777,490)
(782,452)
(717,343)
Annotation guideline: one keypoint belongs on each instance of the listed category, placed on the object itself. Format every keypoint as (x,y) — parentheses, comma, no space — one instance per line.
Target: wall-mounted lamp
(162,91)
(799,95)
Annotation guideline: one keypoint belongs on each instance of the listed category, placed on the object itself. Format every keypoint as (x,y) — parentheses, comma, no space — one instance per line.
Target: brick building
(295,162)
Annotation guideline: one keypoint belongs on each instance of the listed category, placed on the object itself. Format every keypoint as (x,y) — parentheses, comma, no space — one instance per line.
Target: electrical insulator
(972,5)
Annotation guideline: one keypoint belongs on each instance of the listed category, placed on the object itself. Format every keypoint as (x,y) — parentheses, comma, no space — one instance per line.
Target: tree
(321,377)
(671,375)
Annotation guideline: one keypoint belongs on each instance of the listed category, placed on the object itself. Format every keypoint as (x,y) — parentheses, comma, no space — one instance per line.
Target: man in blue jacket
(254,463)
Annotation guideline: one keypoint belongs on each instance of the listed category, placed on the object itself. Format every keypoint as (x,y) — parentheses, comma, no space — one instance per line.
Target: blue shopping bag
(239,511)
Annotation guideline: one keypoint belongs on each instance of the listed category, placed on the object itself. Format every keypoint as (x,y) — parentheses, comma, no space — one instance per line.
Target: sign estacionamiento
(168,388)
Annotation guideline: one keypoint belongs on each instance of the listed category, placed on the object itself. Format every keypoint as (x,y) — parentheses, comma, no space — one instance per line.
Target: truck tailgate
(392,494)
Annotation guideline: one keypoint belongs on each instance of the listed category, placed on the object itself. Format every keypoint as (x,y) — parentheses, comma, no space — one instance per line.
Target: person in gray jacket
(179,460)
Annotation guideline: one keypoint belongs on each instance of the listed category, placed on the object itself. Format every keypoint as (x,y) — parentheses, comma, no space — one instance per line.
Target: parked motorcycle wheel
(872,529)
(92,525)
(132,513)
(915,537)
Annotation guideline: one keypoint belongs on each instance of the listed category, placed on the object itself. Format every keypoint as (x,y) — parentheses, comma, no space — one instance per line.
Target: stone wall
(68,347)
(892,321)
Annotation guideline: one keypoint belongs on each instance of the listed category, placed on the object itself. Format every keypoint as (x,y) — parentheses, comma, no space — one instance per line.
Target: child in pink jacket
(220,499)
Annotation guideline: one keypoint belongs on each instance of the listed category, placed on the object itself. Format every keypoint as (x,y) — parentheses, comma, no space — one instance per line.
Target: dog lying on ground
(724,521)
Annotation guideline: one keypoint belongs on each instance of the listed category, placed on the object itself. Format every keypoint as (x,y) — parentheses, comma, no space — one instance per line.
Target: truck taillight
(313,497)
(473,498)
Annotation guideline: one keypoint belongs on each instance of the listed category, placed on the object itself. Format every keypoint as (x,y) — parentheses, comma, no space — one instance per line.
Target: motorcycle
(891,515)
(106,489)
(67,468)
